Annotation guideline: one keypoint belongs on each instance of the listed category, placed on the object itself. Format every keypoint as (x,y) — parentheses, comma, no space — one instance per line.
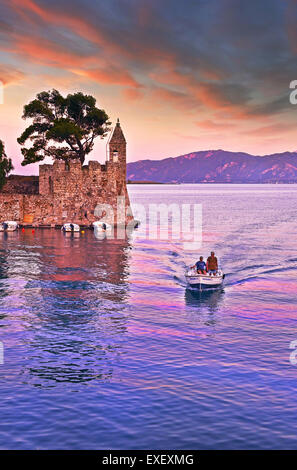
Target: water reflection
(3,265)
(209,299)
(5,239)
(75,291)
(4,235)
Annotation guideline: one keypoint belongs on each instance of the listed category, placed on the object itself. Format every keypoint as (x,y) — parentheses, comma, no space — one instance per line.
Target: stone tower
(117,149)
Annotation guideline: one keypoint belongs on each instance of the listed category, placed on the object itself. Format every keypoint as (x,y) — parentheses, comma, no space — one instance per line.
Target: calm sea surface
(106,348)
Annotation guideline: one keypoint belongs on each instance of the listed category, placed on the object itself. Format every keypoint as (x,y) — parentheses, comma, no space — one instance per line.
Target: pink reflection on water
(150,299)
(150,282)
(283,286)
(150,268)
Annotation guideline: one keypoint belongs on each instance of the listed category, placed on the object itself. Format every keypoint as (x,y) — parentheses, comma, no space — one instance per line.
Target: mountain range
(217,166)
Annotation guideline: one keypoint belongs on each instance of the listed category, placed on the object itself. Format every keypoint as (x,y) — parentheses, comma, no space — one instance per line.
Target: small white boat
(8,226)
(203,281)
(101,226)
(70,227)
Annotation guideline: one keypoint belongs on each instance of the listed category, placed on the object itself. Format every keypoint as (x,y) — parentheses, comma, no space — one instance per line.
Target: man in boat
(200,266)
(212,264)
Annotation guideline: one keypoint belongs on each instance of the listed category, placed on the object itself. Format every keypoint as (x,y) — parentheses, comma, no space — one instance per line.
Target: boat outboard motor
(72,227)
(104,226)
(5,226)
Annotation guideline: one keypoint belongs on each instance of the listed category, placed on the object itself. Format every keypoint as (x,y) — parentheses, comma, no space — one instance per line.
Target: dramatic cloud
(216,64)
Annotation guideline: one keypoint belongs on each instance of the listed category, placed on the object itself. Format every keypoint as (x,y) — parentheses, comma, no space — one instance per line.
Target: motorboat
(203,281)
(8,226)
(101,226)
(70,227)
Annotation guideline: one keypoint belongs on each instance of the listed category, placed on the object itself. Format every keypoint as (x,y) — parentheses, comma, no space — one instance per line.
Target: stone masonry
(71,192)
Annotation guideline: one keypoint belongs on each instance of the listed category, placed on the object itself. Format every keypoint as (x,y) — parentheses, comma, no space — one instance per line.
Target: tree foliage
(62,128)
(5,165)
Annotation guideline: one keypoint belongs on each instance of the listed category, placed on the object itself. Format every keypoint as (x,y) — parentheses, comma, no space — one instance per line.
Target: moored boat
(101,226)
(70,227)
(8,226)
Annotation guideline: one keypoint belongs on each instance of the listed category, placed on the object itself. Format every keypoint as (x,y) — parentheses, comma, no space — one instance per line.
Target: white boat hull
(8,226)
(203,281)
(69,227)
(102,227)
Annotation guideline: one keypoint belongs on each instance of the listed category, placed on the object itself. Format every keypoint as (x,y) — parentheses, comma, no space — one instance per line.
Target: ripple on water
(105,347)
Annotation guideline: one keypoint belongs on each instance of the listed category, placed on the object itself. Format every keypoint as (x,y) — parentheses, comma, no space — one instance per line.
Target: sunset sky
(181,75)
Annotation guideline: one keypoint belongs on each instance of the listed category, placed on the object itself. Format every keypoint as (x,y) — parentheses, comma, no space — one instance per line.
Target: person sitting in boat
(200,266)
(212,264)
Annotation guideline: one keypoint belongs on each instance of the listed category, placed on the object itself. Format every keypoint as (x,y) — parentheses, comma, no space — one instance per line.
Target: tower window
(50,183)
(115,156)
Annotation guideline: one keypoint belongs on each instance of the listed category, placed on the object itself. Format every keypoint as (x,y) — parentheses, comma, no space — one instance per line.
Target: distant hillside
(217,166)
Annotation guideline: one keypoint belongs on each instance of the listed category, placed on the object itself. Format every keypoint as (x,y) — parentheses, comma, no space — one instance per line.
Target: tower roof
(117,135)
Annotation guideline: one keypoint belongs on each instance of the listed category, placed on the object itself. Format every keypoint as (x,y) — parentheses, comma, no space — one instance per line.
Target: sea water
(104,346)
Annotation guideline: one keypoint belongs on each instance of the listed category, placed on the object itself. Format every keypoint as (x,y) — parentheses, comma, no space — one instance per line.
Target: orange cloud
(76,24)
(111,48)
(132,94)
(178,99)
(198,87)
(213,94)
(172,77)
(212,97)
(111,75)
(211,125)
(10,75)
(46,52)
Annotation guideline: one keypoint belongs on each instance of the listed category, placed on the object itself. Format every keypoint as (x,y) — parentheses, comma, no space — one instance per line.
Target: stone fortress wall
(70,192)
